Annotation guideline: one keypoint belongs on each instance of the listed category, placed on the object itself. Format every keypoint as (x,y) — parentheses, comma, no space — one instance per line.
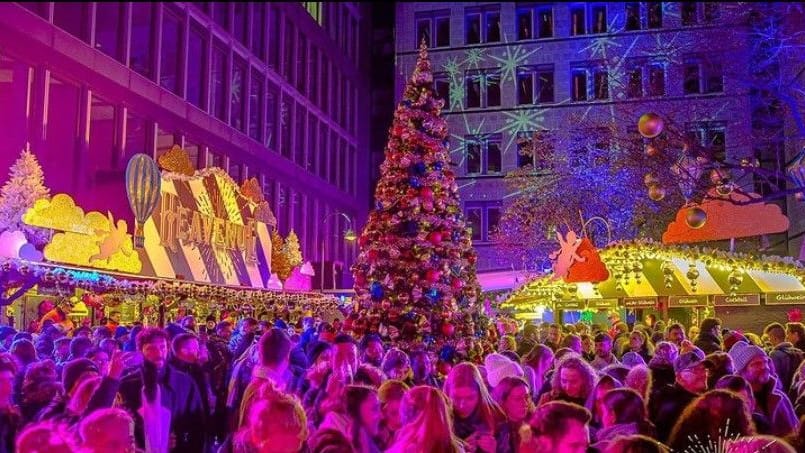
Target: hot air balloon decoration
(143,184)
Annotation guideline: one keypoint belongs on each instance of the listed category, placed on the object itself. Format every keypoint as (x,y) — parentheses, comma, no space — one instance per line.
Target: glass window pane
(255,106)
(473,157)
(102,149)
(579,86)
(711,12)
(524,22)
(312,143)
(61,135)
(656,81)
(197,67)
(442,87)
(272,116)
(422,32)
(165,140)
(492,221)
(634,87)
(545,23)
(473,28)
(219,74)
(169,76)
(715,79)
(493,27)
(442,31)
(274,37)
(220,14)
(689,13)
(654,10)
(215,159)
(108,27)
(239,20)
(313,87)
(258,30)
(39,8)
(286,120)
(577,26)
(236,171)
(546,90)
(633,16)
(492,90)
(691,79)
(525,156)
(493,157)
(301,64)
(601,85)
(193,151)
(474,222)
(599,19)
(473,83)
(236,95)
(14,111)
(136,138)
(289,52)
(299,144)
(142,19)
(72,18)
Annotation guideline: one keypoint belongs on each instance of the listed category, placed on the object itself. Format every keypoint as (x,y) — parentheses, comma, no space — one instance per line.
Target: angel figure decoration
(566,255)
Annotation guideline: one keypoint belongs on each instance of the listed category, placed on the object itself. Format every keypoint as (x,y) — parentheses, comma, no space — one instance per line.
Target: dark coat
(786,360)
(180,396)
(239,343)
(103,397)
(777,408)
(708,343)
(10,425)
(666,406)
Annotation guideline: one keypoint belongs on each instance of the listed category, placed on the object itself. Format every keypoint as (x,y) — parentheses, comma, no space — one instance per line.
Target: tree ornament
(432,276)
(376,290)
(419,168)
(656,193)
(435,238)
(650,125)
(652,150)
(415,182)
(696,217)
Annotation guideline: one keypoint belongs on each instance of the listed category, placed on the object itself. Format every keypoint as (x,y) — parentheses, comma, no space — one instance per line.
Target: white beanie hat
(742,353)
(498,367)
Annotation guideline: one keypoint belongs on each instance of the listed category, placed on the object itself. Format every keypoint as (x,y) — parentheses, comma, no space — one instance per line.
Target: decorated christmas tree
(415,274)
(293,253)
(25,185)
(279,257)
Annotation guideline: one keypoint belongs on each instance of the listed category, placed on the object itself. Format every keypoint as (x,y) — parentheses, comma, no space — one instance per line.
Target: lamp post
(349,235)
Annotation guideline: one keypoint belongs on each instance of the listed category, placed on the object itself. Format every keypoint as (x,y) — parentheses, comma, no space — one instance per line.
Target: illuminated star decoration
(523,120)
(472,134)
(599,47)
(452,68)
(474,57)
(513,56)
(669,48)
(456,93)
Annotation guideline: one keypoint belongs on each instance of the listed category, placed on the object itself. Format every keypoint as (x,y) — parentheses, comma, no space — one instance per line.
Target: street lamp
(349,235)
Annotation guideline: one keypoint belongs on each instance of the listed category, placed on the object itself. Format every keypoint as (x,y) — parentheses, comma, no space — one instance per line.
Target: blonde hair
(467,375)
(45,437)
(281,410)
(428,424)
(79,401)
(98,420)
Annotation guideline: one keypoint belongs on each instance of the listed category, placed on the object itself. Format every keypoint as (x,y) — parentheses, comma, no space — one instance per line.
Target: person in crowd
(709,339)
(667,404)
(639,344)
(620,339)
(61,351)
(10,416)
(24,352)
(427,424)
(40,386)
(754,365)
(274,353)
(44,347)
(719,364)
(797,439)
(107,431)
(553,336)
(498,367)
(635,444)
(46,437)
(190,358)
(784,355)
(58,316)
(422,369)
(595,402)
(558,426)
(157,389)
(360,421)
(79,346)
(513,397)
(101,394)
(390,395)
(639,380)
(712,416)
(572,342)
(475,414)
(507,343)
(795,334)
(741,387)
(372,350)
(573,381)
(632,359)
(243,337)
(603,352)
(624,414)
(587,347)
(275,423)
(693,333)
(330,441)
(6,337)
(397,365)
(99,333)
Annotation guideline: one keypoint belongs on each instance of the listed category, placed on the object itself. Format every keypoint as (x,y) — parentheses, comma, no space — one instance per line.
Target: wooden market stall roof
(645,270)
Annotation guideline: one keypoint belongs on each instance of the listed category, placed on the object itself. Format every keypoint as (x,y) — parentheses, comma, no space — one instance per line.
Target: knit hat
(688,360)
(665,353)
(742,353)
(632,359)
(733,337)
(498,366)
(73,369)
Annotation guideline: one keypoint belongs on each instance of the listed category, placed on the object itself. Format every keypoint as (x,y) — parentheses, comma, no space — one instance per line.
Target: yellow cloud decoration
(61,213)
(78,249)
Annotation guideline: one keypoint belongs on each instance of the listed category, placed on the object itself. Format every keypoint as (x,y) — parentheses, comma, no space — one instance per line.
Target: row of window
(483,219)
(483,25)
(536,84)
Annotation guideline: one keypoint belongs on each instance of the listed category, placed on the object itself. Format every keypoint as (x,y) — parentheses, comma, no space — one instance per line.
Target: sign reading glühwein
(736,300)
(791,298)
(687,301)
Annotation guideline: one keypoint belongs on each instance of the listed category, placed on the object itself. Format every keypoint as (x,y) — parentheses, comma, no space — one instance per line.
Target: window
(142,33)
(711,12)
(137,138)
(579,84)
(689,13)
(654,14)
(492,221)
(61,132)
(240,23)
(289,52)
(484,154)
(165,140)
(108,28)
(236,94)
(299,148)
(194,152)
(170,77)
(474,216)
(633,16)
(215,160)
(525,156)
(692,79)
(434,28)
(197,67)
(577,25)
(535,85)
(482,26)
(711,136)
(255,106)
(703,77)
(258,30)
(274,36)
(534,22)
(481,85)
(441,85)
(41,9)
(272,116)
(634,83)
(72,18)
(656,80)
(714,78)
(286,120)
(599,18)
(483,219)
(102,146)
(600,84)
(313,88)
(236,171)
(219,76)
(301,64)
(220,14)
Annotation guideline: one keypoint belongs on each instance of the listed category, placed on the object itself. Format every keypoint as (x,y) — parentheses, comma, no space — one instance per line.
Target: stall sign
(640,302)
(602,304)
(736,300)
(687,301)
(569,305)
(788,298)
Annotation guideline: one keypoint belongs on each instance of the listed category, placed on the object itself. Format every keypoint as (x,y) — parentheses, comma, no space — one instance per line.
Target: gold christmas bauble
(656,193)
(696,217)
(650,125)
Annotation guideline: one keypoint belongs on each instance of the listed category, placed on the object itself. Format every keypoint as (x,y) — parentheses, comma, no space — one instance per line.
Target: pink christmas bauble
(432,275)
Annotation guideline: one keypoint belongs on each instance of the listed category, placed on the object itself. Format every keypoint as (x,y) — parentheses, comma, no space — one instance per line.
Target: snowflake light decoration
(513,56)
(456,94)
(473,58)
(452,68)
(523,120)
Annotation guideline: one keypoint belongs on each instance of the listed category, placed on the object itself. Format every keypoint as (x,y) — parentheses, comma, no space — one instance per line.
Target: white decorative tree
(25,185)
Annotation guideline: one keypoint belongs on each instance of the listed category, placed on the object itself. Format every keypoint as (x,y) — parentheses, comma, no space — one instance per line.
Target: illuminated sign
(602,304)
(569,305)
(736,300)
(687,301)
(791,298)
(640,302)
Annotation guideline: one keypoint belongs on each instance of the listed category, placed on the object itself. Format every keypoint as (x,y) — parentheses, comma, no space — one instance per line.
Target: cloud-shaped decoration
(727,220)
(592,269)
(14,245)
(176,160)
(307,269)
(76,248)
(29,253)
(61,213)
(274,282)
(251,189)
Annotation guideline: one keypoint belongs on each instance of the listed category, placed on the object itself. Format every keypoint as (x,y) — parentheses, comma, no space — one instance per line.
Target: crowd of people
(258,386)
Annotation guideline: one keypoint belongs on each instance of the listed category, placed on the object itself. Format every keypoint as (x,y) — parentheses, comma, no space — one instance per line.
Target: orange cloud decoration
(178,161)
(592,269)
(251,189)
(727,220)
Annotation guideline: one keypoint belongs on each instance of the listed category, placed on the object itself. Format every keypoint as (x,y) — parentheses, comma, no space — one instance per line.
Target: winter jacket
(708,343)
(776,406)
(786,360)
(239,343)
(605,436)
(103,397)
(10,425)
(180,395)
(666,406)
(284,381)
(600,363)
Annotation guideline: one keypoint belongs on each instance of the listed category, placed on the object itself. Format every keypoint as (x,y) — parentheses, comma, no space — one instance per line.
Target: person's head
(114,316)
(469,395)
(637,340)
(498,366)
(752,363)
(44,346)
(110,346)
(189,323)
(587,344)
(345,352)
(507,343)
(636,443)
(224,329)
(540,358)
(554,334)
(152,342)
(185,347)
(665,354)
(8,371)
(25,352)
(45,437)
(100,358)
(108,430)
(396,364)
(513,397)
(560,427)
(574,377)
(708,417)
(676,334)
(277,424)
(372,348)
(247,326)
(390,395)
(603,345)
(639,379)
(621,406)
(691,371)
(421,365)
(83,392)
(795,332)
(621,328)
(319,352)
(83,332)
(572,342)
(100,333)
(711,326)
(650,319)
(79,346)
(427,421)
(740,387)
(77,371)
(776,333)
(330,440)
(718,364)
(363,407)
(275,348)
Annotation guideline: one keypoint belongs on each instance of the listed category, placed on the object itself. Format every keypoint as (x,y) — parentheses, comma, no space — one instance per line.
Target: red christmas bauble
(448,329)
(372,255)
(456,284)
(363,241)
(432,275)
(435,238)
(426,193)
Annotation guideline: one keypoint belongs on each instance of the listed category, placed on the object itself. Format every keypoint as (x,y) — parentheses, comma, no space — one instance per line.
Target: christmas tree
(279,257)
(293,252)
(25,185)
(415,273)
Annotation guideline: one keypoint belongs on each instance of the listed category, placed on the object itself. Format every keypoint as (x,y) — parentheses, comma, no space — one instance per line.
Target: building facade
(510,70)
(266,90)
